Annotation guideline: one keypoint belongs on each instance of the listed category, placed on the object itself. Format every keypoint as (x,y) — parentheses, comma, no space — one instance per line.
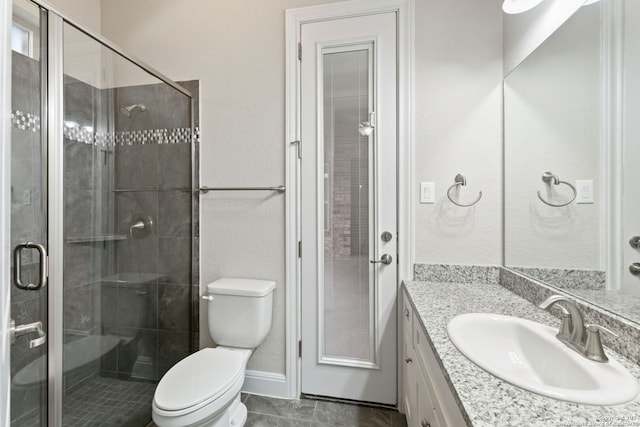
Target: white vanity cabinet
(426,397)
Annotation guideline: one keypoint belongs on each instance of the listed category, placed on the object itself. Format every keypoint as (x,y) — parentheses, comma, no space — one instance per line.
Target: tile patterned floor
(109,402)
(270,412)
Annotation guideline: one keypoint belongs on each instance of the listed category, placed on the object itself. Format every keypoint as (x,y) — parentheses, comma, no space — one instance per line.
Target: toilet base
(234,416)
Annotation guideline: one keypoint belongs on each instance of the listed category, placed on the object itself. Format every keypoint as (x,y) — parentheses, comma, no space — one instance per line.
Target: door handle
(17,266)
(16,331)
(384,259)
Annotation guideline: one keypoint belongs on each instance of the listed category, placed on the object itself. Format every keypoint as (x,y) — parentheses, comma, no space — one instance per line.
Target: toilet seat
(199,380)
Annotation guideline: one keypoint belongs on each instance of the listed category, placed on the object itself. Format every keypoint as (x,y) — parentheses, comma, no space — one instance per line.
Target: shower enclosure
(103,151)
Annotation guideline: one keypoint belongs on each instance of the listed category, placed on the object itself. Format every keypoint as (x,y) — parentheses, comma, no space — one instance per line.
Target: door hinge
(300,348)
(299,248)
(298,149)
(299,51)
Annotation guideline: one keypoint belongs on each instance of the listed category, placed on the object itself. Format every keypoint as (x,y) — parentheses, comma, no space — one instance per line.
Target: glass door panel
(28,217)
(127,234)
(348,280)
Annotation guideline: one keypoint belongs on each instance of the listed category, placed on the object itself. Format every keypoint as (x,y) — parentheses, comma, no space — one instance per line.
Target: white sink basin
(527,354)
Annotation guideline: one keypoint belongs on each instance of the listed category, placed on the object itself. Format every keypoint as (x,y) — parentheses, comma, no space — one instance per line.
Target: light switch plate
(427,190)
(584,190)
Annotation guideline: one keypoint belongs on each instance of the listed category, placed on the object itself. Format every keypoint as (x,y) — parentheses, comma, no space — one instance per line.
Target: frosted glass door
(348,282)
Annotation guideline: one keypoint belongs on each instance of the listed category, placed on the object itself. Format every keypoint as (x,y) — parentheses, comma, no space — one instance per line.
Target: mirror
(567,137)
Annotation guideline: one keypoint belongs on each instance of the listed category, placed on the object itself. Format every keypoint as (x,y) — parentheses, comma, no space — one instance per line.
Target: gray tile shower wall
(154,180)
(88,214)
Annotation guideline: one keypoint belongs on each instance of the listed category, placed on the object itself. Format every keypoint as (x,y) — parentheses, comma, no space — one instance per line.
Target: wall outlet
(427,190)
(584,190)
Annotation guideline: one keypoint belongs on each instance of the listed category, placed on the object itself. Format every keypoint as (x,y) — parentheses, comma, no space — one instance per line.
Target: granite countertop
(485,399)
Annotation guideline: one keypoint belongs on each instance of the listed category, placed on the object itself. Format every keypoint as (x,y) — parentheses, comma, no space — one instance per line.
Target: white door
(348,208)
(631,150)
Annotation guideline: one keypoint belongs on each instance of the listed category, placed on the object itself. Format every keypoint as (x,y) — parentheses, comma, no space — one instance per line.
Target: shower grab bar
(550,178)
(205,189)
(460,180)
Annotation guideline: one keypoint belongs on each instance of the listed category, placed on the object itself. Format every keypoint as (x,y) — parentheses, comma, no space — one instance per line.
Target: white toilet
(204,388)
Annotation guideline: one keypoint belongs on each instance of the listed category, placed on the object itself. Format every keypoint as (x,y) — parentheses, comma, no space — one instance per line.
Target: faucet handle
(593,347)
(597,328)
(566,325)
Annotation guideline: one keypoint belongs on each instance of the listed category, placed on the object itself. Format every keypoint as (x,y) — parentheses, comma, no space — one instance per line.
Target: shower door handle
(17,266)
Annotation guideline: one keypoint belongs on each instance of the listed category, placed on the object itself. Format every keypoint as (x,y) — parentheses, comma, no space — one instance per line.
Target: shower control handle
(385,259)
(635,268)
(634,242)
(16,331)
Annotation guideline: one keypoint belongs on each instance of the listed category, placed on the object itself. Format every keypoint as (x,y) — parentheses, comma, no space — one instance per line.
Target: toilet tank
(240,311)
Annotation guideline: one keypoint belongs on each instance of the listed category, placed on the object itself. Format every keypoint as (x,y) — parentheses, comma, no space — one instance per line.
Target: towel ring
(461,180)
(549,177)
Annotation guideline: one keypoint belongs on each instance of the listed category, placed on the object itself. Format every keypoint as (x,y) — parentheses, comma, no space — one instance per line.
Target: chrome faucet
(572,329)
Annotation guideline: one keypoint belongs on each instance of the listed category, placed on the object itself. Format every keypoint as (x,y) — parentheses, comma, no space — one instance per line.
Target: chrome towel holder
(549,177)
(460,180)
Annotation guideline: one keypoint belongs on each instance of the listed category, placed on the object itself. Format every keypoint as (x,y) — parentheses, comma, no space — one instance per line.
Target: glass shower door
(28,217)
(127,233)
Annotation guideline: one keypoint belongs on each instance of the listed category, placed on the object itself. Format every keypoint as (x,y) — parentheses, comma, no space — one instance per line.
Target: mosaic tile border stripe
(25,121)
(31,122)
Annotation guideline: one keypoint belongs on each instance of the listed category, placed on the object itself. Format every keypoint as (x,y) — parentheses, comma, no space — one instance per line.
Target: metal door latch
(16,331)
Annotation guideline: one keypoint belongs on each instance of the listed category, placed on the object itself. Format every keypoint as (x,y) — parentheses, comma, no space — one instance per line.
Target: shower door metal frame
(55,188)
(5,205)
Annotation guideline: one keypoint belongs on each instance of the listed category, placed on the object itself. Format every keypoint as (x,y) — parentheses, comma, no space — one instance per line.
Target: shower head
(127,110)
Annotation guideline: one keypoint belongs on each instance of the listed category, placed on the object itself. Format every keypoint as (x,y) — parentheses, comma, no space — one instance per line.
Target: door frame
(294,19)
(611,233)
(5,207)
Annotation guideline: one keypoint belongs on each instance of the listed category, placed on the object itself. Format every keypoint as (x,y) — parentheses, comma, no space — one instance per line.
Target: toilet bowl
(203,389)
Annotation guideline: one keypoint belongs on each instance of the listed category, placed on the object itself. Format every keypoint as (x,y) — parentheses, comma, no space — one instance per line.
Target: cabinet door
(409,392)
(409,384)
(426,416)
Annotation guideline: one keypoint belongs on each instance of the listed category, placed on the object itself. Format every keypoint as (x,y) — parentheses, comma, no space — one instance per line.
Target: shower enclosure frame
(5,204)
(54,111)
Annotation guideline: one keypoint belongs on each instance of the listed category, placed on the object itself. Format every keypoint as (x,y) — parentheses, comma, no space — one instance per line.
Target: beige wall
(236,50)
(85,11)
(458,129)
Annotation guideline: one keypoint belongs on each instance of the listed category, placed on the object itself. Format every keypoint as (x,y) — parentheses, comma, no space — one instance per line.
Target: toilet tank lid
(241,287)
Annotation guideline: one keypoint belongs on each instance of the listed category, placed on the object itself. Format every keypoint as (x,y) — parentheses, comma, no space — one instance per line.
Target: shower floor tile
(108,402)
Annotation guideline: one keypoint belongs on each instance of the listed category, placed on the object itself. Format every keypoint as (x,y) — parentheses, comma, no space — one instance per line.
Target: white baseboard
(266,384)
